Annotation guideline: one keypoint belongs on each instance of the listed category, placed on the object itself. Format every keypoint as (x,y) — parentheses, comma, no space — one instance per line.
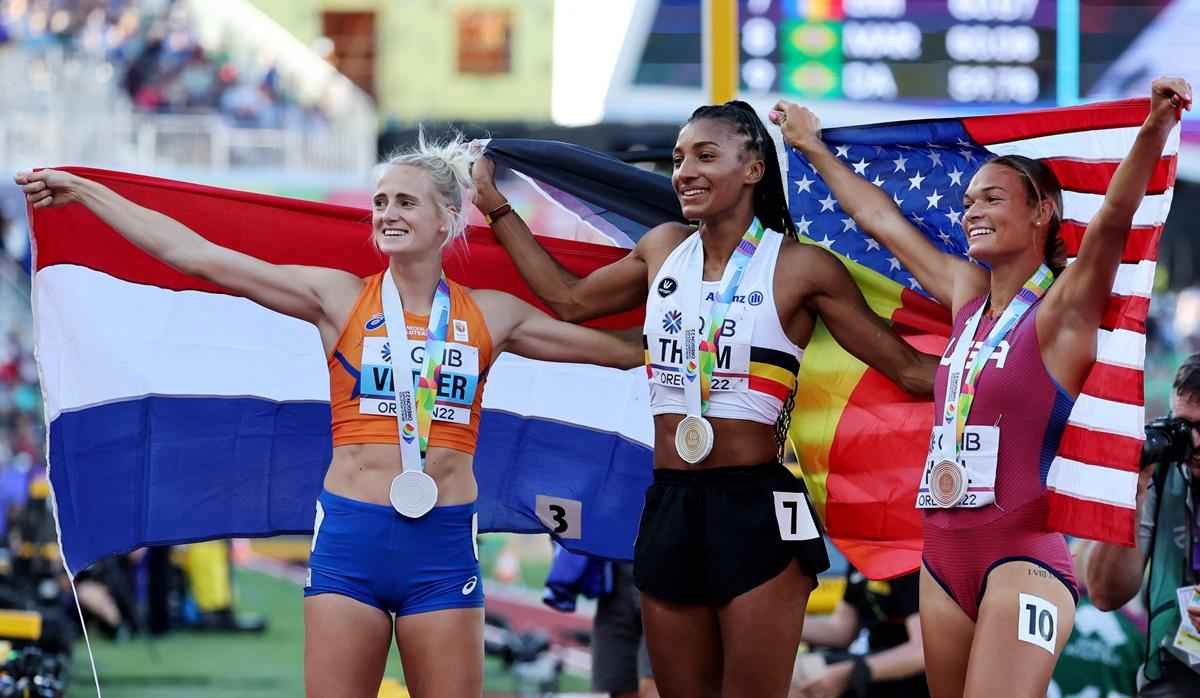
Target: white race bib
(664,339)
(980,451)
(457,383)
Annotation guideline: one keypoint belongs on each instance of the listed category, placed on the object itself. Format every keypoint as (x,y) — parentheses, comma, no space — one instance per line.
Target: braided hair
(770,202)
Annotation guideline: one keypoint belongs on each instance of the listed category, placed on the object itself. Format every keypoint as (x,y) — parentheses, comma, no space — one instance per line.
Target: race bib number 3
(563,517)
(457,382)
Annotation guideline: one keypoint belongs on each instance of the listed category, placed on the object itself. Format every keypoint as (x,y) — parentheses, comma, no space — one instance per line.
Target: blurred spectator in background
(889,661)
(152,50)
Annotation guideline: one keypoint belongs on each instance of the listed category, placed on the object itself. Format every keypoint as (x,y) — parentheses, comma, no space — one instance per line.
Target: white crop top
(756,361)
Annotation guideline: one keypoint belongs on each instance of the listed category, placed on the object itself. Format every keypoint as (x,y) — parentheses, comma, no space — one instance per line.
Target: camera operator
(1168,539)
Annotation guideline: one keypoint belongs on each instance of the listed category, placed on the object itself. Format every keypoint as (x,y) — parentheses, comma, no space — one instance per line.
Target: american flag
(926,165)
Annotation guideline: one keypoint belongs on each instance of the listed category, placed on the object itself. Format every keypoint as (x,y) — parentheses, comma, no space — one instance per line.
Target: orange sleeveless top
(361,391)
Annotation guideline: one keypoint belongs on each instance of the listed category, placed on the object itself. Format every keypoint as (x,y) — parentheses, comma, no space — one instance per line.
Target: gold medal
(693,438)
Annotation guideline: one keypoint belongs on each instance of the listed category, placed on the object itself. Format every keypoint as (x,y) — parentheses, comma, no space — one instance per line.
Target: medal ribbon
(415,401)
(734,270)
(961,395)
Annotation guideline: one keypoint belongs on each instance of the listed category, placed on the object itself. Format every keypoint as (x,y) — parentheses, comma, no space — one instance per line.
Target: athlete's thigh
(442,652)
(1025,619)
(760,631)
(684,642)
(946,637)
(345,646)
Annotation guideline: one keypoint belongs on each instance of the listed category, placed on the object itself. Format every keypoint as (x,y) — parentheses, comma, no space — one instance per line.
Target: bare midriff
(735,442)
(365,472)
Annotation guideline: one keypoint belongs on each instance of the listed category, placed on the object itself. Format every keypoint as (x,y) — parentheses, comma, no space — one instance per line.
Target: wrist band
(497,213)
(860,677)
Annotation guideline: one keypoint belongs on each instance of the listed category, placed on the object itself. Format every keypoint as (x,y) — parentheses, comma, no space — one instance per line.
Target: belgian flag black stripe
(774,357)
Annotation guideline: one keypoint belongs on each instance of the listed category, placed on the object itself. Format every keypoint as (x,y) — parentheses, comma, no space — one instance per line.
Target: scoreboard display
(935,51)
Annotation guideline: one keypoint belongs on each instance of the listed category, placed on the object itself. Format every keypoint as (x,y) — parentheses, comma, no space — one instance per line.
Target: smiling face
(998,218)
(405,215)
(712,169)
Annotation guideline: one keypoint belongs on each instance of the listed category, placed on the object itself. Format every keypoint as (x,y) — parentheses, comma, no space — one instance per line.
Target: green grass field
(191,664)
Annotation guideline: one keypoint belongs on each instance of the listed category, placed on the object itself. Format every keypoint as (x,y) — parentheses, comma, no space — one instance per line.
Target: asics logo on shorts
(470,586)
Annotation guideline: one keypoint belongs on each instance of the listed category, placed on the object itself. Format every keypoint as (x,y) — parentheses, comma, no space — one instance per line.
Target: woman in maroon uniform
(997,585)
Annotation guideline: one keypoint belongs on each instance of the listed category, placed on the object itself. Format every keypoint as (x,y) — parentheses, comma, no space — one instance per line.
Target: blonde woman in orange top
(393,547)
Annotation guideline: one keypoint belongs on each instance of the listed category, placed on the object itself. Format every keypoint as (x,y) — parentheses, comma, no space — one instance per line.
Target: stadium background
(300,97)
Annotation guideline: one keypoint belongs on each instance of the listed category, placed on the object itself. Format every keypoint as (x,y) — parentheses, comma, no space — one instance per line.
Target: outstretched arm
(1079,299)
(611,289)
(307,293)
(951,280)
(524,330)
(835,297)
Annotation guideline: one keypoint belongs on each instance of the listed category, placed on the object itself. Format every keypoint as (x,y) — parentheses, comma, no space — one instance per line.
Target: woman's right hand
(485,195)
(48,188)
(800,127)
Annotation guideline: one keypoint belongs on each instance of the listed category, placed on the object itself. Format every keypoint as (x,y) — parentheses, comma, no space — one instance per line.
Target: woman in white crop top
(724,579)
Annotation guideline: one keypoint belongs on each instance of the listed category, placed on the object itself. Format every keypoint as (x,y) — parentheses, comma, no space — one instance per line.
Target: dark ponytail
(770,201)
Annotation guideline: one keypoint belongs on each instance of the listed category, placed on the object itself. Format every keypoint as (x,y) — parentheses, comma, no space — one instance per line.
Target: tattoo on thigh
(1038,572)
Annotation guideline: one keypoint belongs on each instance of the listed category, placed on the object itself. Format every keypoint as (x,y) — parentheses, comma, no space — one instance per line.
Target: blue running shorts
(399,565)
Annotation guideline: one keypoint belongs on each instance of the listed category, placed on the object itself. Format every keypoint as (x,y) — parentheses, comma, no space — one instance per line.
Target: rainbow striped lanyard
(734,270)
(415,414)
(960,390)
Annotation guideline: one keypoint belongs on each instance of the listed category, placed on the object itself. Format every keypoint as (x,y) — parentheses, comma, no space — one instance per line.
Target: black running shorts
(708,536)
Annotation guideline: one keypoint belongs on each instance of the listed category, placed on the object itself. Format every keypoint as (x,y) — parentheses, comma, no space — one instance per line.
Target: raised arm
(524,330)
(1079,298)
(611,289)
(312,294)
(951,280)
(832,294)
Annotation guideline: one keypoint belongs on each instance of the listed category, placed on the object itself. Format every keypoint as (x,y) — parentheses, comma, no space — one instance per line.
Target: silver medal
(413,493)
(693,438)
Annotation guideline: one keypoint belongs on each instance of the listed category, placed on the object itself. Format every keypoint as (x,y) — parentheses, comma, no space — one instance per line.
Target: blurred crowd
(152,50)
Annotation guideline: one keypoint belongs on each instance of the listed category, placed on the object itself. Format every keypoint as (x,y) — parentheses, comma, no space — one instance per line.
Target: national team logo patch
(755,298)
(672,321)
(375,322)
(409,433)
(460,331)
(667,286)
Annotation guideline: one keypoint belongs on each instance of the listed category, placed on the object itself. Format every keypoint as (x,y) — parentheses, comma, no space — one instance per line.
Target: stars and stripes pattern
(926,165)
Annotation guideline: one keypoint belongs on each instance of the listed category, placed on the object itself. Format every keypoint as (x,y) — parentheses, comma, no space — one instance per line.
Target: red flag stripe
(1116,383)
(986,130)
(1092,177)
(1126,313)
(1086,519)
(1097,447)
(1142,243)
